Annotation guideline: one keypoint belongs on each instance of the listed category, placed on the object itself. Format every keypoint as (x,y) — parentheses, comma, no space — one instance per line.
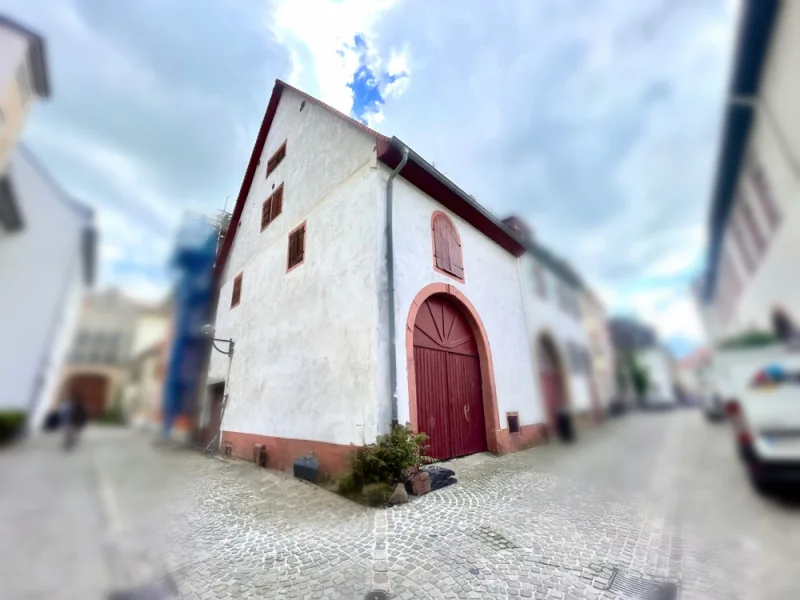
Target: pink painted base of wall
(334,459)
(528,437)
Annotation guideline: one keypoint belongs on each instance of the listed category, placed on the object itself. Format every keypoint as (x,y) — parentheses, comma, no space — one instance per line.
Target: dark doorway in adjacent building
(553,385)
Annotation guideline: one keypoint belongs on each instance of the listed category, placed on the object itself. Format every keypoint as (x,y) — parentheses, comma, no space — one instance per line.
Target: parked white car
(766,419)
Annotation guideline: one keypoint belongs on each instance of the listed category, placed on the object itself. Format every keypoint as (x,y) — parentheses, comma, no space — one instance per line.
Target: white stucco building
(752,279)
(46,241)
(345,320)
(48,262)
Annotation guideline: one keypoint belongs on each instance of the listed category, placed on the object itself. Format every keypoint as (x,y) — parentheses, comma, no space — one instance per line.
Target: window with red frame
(276,159)
(272,207)
(297,247)
(236,294)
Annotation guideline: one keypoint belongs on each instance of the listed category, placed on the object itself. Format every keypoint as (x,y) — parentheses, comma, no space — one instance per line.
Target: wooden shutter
(276,159)
(447,247)
(266,213)
(277,203)
(236,294)
(454,251)
(441,249)
(296,251)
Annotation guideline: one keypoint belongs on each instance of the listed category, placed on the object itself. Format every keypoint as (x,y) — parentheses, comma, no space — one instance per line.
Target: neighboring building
(628,334)
(23,77)
(695,376)
(147,366)
(635,340)
(102,349)
(601,347)
(659,364)
(551,297)
(331,347)
(46,242)
(145,385)
(752,281)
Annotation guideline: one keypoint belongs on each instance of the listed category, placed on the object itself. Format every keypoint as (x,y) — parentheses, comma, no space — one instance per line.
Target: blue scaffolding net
(193,265)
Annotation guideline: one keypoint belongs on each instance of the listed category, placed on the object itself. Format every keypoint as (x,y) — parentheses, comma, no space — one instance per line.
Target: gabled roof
(36,56)
(755,31)
(417,171)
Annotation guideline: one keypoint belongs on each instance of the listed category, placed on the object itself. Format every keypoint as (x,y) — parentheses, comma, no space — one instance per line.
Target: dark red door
(448,374)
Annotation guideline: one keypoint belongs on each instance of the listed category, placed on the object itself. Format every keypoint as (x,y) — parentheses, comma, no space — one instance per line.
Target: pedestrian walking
(73,418)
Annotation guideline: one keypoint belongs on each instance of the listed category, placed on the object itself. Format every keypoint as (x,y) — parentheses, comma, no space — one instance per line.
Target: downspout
(390,283)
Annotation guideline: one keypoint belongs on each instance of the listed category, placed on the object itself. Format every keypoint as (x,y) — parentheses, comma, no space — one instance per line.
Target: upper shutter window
(236,294)
(765,195)
(447,256)
(272,207)
(296,253)
(276,159)
(541,282)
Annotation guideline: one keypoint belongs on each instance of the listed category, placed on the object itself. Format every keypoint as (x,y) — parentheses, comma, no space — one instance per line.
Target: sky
(596,121)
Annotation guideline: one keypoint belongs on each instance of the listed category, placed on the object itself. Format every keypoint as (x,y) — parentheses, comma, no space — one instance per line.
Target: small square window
(276,159)
(297,248)
(513,422)
(236,294)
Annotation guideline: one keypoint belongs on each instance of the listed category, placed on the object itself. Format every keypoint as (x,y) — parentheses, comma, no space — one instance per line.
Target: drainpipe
(390,282)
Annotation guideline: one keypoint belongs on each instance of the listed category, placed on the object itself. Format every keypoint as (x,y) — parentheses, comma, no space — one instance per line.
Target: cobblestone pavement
(657,496)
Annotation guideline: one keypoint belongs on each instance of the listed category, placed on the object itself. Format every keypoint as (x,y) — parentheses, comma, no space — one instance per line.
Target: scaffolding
(193,265)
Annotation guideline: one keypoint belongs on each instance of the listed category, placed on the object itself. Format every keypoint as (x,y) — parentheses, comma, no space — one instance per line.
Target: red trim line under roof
(417,172)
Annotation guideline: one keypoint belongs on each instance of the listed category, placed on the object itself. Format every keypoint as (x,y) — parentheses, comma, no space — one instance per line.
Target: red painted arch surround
(491,417)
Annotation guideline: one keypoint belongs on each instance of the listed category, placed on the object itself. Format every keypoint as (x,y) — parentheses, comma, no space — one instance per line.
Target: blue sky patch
(368,86)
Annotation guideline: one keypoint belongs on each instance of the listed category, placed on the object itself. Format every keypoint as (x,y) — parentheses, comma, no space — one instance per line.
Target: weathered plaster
(305,340)
(492,287)
(41,278)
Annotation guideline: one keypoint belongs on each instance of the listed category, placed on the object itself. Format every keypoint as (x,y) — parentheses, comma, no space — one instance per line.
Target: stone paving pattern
(659,496)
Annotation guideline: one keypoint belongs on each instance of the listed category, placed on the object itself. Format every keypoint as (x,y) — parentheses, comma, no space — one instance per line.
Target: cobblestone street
(653,496)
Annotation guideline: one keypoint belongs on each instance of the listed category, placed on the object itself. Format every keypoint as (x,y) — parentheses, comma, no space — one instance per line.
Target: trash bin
(564,427)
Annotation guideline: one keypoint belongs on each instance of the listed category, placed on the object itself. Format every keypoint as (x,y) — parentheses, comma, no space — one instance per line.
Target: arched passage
(450,378)
(91,390)
(552,380)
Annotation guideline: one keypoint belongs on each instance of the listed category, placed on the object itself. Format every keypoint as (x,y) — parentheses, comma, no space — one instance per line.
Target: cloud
(148,120)
(596,122)
(335,54)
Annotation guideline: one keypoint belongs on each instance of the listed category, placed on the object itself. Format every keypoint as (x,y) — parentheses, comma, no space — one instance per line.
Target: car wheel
(761,485)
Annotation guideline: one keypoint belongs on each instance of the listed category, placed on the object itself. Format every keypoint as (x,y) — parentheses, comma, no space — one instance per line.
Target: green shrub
(348,485)
(11,423)
(387,459)
(376,494)
(114,414)
(749,339)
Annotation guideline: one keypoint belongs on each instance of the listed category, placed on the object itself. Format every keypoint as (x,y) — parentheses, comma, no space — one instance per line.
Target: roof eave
(36,56)
(427,178)
(755,32)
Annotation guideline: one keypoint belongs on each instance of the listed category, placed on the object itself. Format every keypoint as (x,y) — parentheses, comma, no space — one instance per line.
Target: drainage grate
(161,589)
(376,595)
(643,589)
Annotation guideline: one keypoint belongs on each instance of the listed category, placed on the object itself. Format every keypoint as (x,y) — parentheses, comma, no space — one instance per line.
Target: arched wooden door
(550,378)
(448,380)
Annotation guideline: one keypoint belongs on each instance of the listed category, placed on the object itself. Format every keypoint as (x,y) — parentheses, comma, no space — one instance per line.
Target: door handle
(466,412)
